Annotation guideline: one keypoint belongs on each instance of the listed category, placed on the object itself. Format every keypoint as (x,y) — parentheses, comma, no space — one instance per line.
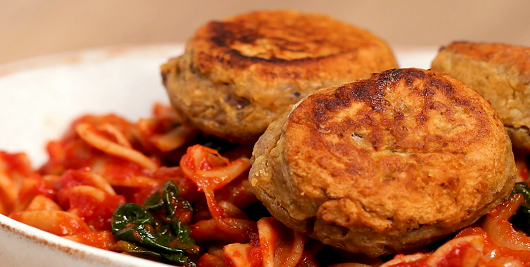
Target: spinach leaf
(522,218)
(141,252)
(219,144)
(158,229)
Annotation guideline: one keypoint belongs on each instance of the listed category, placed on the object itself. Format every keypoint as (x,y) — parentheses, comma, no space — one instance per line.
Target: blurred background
(31,28)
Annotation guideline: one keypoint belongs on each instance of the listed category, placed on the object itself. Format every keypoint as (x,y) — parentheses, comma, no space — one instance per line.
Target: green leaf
(141,252)
(158,228)
(138,251)
(154,202)
(176,124)
(524,189)
(522,218)
(127,213)
(219,144)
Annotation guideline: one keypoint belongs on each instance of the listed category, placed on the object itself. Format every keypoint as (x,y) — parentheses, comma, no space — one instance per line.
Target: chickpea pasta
(157,189)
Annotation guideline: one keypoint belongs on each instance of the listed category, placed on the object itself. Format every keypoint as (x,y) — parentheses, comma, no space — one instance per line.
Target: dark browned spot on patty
(225,34)
(236,101)
(422,110)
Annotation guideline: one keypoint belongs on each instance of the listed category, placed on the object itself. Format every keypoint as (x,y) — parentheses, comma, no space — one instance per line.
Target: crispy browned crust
(386,164)
(500,73)
(239,74)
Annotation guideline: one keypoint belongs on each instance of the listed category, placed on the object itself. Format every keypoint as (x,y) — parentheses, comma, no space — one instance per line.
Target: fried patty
(386,164)
(239,74)
(500,73)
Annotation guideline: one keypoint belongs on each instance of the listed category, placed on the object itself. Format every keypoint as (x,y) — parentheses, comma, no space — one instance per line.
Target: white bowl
(40,97)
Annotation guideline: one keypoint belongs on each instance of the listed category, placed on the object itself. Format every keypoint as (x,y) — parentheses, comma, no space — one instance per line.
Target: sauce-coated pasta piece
(60,223)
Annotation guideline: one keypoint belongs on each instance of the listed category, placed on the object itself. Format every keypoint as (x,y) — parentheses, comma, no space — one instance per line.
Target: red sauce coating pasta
(103,161)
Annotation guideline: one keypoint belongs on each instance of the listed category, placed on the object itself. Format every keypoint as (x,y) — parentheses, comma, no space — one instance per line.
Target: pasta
(157,174)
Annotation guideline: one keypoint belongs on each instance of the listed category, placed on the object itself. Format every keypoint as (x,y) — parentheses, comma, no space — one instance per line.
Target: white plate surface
(40,97)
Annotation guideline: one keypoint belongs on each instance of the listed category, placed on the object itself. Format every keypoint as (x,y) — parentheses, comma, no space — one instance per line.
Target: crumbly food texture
(501,74)
(239,74)
(384,165)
